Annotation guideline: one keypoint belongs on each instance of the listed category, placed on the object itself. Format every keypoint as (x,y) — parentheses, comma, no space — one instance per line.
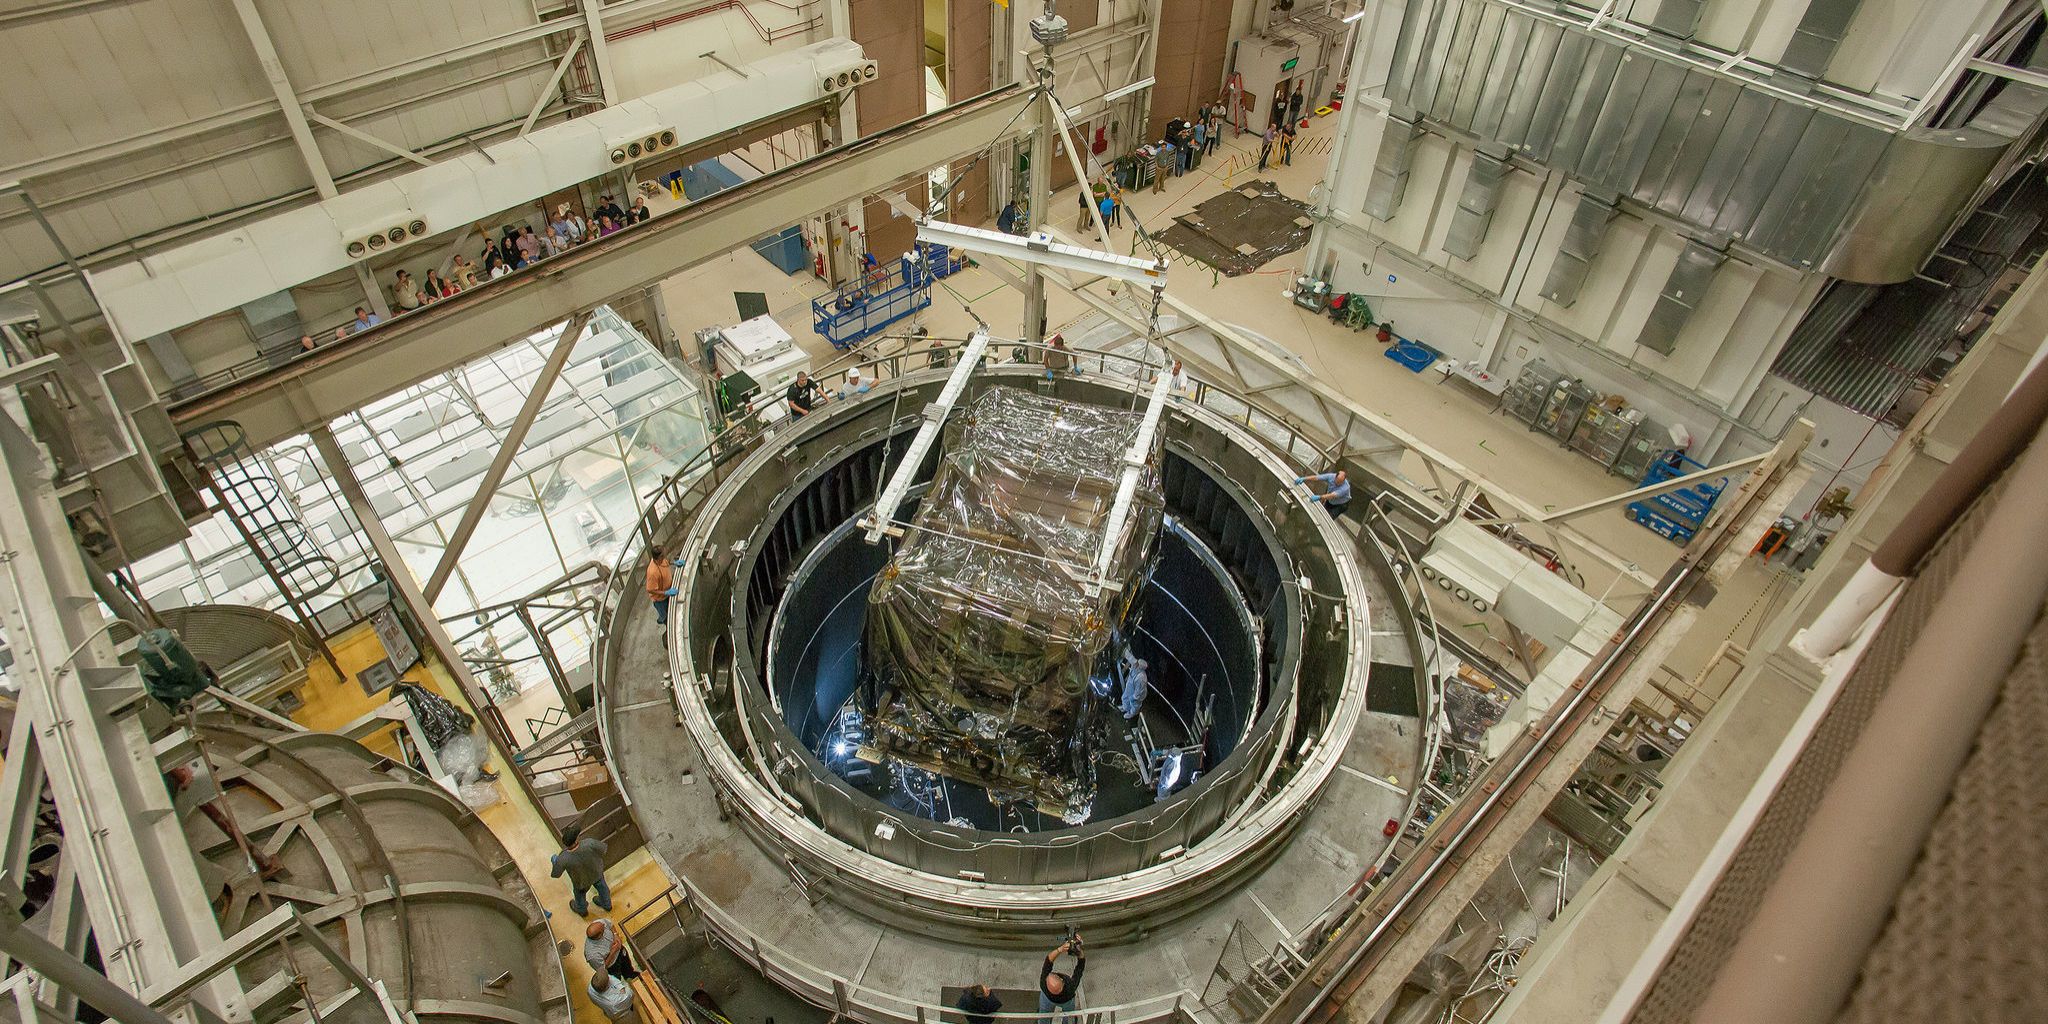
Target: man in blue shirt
(1336,493)
(364,320)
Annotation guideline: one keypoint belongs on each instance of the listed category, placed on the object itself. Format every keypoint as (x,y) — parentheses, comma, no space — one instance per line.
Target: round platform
(788,864)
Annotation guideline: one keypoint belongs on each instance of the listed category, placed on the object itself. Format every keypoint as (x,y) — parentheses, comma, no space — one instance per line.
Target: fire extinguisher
(818,263)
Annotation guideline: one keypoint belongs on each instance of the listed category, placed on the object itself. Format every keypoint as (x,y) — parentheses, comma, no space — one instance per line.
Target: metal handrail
(829,991)
(699,474)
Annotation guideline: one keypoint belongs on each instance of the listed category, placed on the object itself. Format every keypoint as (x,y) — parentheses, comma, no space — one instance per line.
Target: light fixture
(1354,16)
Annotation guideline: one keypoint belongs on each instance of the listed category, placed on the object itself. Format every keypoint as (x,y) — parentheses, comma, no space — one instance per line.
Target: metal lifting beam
(935,413)
(1127,488)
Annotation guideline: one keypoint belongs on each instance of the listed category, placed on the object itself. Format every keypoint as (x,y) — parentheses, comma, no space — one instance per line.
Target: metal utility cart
(1602,432)
(1676,515)
(1524,398)
(1562,408)
(1650,442)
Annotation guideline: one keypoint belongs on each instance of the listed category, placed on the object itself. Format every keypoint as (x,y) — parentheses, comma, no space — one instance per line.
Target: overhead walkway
(274,403)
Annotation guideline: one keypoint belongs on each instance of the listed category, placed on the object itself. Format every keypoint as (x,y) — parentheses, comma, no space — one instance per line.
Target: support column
(508,446)
(302,131)
(1040,198)
(408,589)
(600,58)
(287,97)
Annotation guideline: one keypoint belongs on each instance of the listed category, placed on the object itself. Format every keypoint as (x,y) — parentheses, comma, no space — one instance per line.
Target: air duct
(1819,34)
(1476,203)
(1682,292)
(1677,18)
(1580,247)
(1390,167)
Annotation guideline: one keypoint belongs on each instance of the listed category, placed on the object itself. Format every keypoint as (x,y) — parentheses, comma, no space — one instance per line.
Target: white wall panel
(1726,23)
(1775,305)
(1516,204)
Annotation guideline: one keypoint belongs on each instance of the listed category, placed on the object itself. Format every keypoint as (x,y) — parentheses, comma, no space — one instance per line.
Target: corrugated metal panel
(1559,85)
(1580,247)
(1689,155)
(1539,50)
(1390,167)
(1616,119)
(1495,95)
(1690,278)
(1481,64)
(1780,175)
(1474,212)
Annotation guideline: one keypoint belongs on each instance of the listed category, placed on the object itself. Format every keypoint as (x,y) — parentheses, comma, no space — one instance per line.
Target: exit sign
(1291,62)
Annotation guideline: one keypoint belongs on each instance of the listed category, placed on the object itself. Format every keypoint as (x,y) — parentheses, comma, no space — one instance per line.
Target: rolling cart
(1524,398)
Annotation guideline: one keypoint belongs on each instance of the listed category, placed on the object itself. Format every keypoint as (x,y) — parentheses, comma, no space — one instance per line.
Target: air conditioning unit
(835,80)
(640,145)
(361,245)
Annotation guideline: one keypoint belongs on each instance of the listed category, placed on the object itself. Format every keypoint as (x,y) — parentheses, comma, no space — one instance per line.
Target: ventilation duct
(1475,204)
(1580,247)
(1683,291)
(1819,33)
(1677,18)
(1390,167)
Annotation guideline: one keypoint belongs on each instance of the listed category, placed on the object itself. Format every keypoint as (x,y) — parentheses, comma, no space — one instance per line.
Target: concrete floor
(1452,419)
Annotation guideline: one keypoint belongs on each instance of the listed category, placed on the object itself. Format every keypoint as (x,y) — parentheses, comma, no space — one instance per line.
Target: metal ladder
(256,502)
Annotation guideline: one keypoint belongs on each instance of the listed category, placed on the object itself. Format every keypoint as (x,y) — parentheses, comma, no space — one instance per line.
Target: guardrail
(691,484)
(852,1001)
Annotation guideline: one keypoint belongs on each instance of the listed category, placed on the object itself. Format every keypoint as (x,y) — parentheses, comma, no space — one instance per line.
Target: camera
(1073,940)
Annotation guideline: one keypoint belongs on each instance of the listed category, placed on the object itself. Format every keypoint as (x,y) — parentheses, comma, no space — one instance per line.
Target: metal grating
(1862,346)
(1699,954)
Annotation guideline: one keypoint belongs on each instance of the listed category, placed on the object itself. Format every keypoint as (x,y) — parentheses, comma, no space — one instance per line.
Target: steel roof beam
(349,374)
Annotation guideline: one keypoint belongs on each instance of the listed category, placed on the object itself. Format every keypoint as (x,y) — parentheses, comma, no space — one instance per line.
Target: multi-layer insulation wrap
(982,630)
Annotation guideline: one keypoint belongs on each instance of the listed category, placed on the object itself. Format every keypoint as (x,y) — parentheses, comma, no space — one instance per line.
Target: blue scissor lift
(881,296)
(1677,515)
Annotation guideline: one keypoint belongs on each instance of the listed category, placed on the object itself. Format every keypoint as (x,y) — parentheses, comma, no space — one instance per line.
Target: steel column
(287,97)
(140,880)
(402,581)
(508,446)
(599,58)
(1039,197)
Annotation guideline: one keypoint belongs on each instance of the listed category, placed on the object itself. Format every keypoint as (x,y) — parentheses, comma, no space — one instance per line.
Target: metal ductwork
(1580,247)
(1476,203)
(1819,34)
(1682,292)
(1390,167)
(1927,180)
(1677,18)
